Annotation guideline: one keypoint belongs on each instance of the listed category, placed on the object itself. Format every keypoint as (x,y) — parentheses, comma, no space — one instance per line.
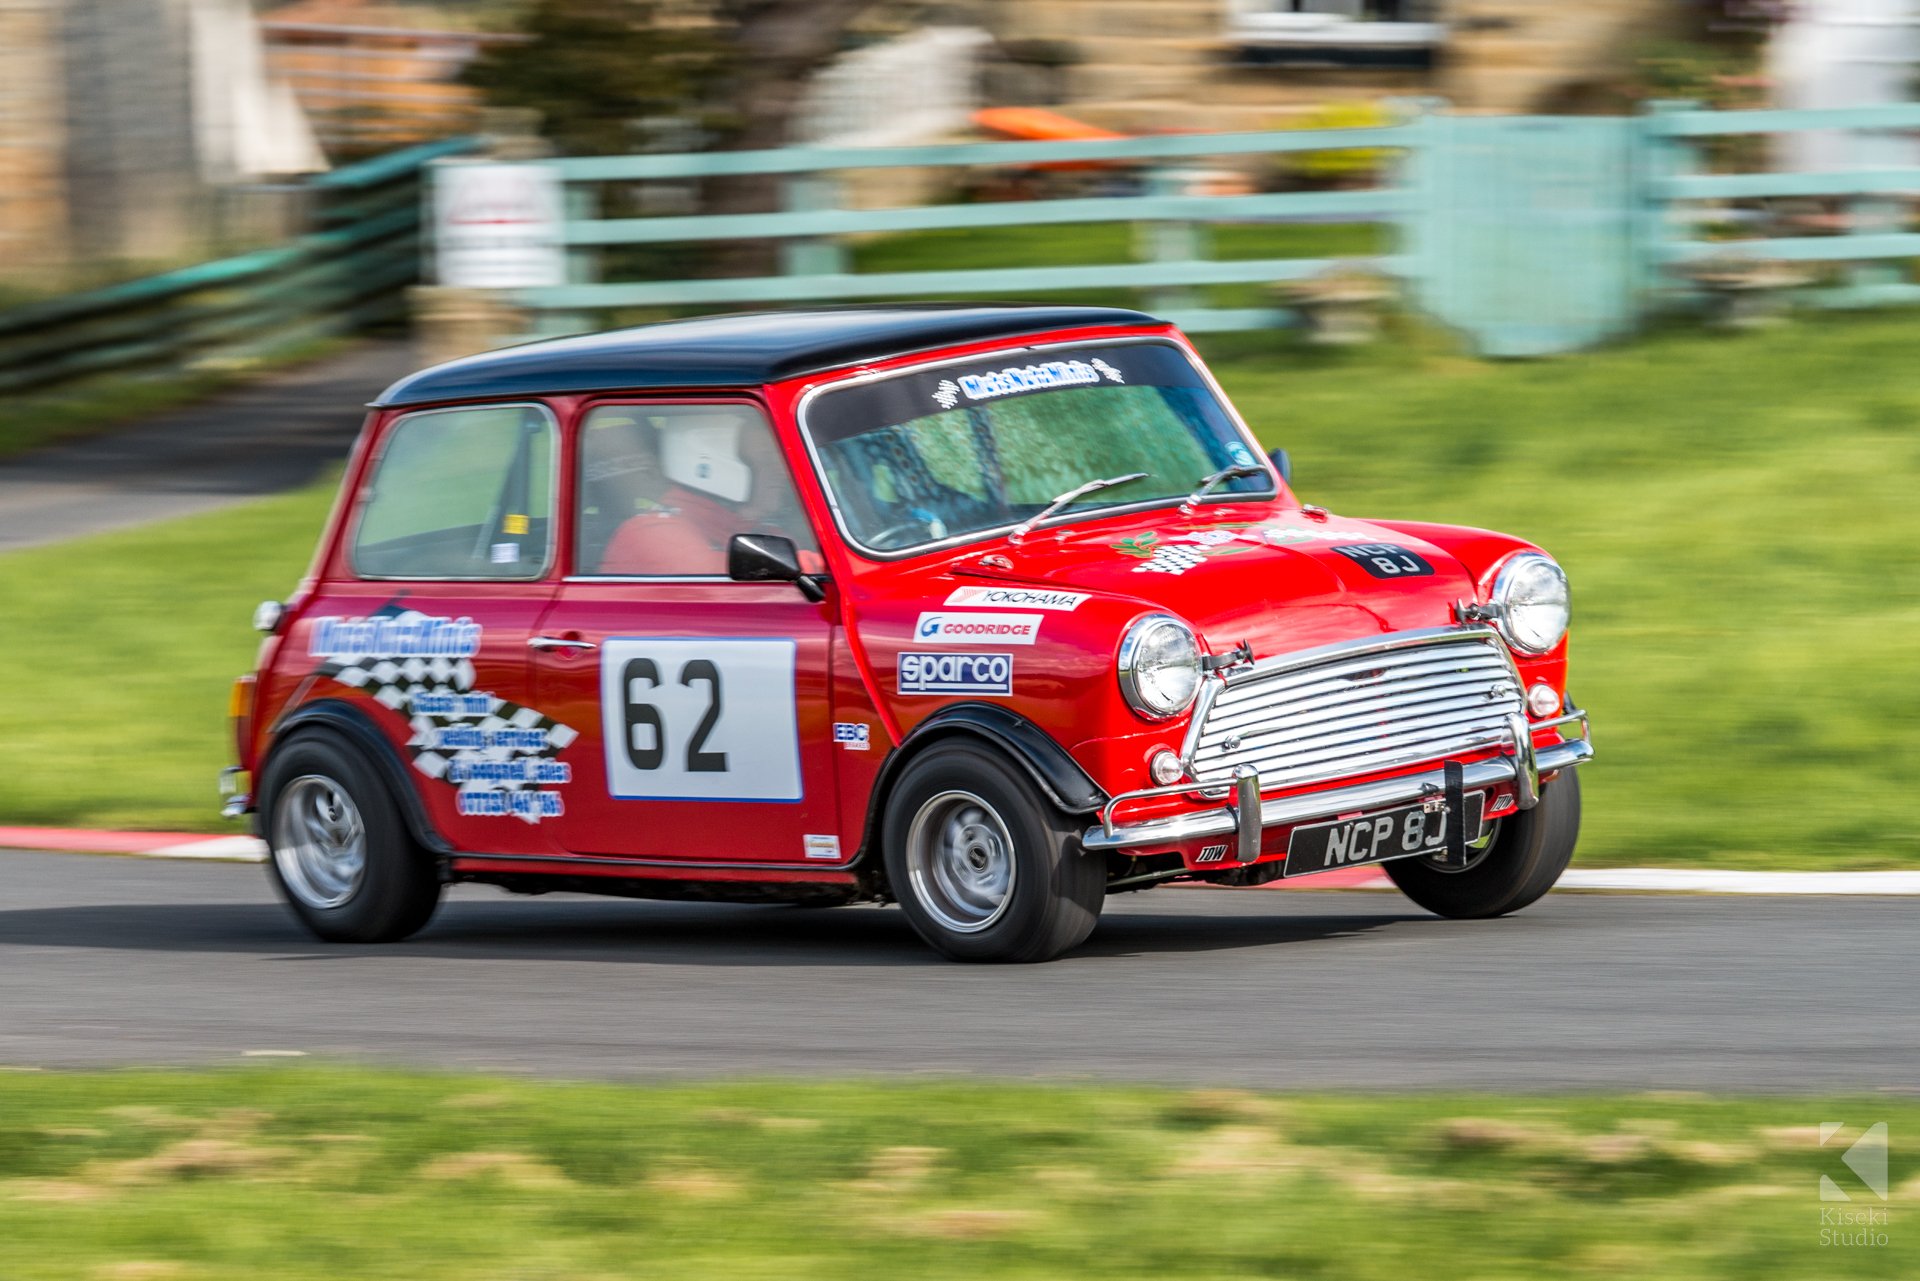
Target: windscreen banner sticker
(497,755)
(1015,598)
(1387,560)
(972,629)
(700,718)
(1019,378)
(956,673)
(1113,370)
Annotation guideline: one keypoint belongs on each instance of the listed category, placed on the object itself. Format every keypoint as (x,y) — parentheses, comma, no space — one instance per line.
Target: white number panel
(699,719)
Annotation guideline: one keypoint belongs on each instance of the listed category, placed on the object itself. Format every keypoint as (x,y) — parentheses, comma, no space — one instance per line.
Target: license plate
(1377,837)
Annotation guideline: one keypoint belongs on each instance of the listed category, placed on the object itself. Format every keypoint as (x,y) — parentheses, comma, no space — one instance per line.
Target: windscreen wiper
(1225,473)
(1020,530)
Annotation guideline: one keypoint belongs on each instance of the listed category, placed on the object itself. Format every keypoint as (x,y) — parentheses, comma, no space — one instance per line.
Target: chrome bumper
(1248,815)
(238,802)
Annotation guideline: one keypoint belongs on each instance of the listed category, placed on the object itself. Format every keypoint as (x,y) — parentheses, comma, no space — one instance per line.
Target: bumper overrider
(1352,708)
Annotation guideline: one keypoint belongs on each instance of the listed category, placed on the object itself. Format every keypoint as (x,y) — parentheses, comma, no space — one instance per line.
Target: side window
(461,493)
(664,487)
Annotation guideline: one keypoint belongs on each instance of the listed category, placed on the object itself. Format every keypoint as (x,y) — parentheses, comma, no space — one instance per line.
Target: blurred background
(1631,278)
(1634,279)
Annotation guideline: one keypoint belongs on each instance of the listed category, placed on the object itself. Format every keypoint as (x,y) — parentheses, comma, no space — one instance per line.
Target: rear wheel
(1520,862)
(341,855)
(983,866)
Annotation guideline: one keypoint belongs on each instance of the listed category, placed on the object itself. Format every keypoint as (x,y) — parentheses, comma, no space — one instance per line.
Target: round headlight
(1160,666)
(1531,592)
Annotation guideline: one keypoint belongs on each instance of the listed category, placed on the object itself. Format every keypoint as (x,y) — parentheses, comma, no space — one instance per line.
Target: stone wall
(33,202)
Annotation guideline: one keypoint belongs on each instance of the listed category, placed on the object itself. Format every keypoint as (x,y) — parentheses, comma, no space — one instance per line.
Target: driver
(727,478)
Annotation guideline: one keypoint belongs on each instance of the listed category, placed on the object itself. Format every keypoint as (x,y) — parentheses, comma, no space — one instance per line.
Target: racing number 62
(641,675)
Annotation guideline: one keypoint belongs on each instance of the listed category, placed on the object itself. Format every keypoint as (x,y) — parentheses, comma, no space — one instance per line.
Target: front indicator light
(1543,701)
(1165,768)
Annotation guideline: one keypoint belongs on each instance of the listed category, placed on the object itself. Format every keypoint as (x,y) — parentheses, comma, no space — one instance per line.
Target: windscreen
(959,449)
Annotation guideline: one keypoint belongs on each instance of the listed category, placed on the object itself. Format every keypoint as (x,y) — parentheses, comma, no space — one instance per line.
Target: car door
(450,562)
(704,704)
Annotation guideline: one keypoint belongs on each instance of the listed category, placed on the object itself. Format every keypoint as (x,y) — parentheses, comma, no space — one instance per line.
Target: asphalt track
(275,434)
(109,960)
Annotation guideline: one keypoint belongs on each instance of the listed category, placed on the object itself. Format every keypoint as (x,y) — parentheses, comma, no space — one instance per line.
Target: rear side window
(461,493)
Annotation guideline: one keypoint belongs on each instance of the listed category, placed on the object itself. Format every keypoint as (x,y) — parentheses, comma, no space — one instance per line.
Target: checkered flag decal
(500,756)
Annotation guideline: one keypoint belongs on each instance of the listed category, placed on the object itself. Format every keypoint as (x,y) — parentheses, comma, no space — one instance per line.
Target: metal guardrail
(1533,215)
(348,272)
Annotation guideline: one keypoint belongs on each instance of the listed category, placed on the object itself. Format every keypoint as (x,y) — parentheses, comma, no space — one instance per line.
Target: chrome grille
(1362,707)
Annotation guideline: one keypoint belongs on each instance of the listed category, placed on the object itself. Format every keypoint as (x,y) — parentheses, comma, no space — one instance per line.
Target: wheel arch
(1058,776)
(359,730)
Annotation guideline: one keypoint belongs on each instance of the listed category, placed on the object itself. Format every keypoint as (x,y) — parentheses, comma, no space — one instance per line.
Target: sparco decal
(956,673)
(1015,598)
(963,629)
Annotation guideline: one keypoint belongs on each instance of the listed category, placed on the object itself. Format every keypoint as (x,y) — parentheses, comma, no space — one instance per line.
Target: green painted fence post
(812,255)
(1662,221)
(1172,240)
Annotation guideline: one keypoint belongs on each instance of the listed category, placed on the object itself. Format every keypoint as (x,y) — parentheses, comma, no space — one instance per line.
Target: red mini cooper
(990,611)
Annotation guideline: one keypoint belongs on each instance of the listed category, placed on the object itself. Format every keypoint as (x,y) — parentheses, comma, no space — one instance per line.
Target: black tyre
(1522,859)
(983,866)
(341,854)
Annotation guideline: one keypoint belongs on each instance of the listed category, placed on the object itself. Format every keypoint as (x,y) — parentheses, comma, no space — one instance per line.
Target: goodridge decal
(1015,598)
(956,673)
(971,629)
(499,756)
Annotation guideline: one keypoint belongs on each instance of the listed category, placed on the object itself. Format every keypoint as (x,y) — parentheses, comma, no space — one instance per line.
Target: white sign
(498,226)
(699,719)
(968,629)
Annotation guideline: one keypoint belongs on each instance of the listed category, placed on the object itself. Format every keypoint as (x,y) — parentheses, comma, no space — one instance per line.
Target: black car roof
(737,350)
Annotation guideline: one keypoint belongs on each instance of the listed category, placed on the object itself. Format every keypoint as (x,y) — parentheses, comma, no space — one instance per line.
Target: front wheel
(341,855)
(1523,857)
(983,866)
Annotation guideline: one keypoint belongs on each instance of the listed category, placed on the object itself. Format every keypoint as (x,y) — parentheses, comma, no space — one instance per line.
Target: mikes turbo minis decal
(1005,382)
(956,673)
(498,755)
(965,629)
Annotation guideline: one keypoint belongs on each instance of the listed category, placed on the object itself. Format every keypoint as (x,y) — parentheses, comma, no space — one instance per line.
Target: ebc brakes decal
(699,719)
(1386,560)
(498,755)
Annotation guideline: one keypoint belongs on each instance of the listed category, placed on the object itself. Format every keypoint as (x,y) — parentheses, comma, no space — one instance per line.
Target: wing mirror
(770,558)
(1282,463)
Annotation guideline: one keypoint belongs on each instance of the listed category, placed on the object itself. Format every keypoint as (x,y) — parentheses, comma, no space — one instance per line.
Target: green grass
(1736,514)
(122,647)
(328,1173)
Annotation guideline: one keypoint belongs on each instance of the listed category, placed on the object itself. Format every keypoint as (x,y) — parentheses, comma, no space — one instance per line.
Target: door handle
(555,642)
